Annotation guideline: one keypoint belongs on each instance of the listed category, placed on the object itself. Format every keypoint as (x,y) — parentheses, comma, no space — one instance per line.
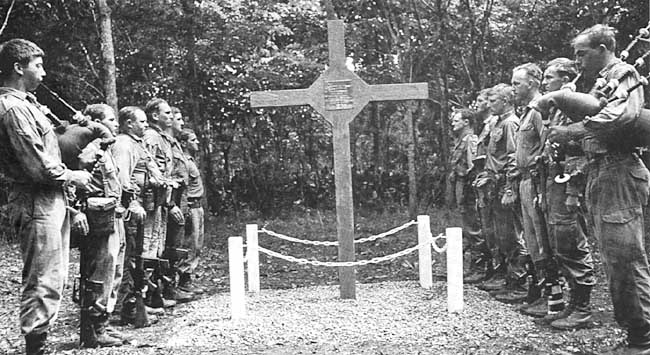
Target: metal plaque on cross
(339,95)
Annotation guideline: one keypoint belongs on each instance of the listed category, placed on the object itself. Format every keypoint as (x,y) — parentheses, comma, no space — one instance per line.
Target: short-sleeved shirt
(463,152)
(195,184)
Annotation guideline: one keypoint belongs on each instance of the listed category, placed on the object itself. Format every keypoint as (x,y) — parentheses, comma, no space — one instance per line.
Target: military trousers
(103,260)
(40,220)
(617,195)
(502,226)
(153,243)
(532,223)
(567,237)
(194,235)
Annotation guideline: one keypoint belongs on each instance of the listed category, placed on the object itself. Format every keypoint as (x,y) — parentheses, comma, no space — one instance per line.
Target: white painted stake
(236,270)
(253,260)
(424,253)
(455,269)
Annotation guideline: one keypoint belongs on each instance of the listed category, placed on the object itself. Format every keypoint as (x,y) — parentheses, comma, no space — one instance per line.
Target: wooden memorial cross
(339,95)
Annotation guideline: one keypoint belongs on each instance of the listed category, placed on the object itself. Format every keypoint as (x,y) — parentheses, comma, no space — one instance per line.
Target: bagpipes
(577,105)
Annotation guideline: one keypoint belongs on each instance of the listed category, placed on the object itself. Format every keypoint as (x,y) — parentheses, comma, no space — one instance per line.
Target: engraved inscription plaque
(338,95)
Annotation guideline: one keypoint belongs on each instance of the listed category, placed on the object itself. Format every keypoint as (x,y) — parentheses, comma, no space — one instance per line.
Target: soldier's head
(21,61)
(103,114)
(133,120)
(177,121)
(500,99)
(526,82)
(482,100)
(461,119)
(559,71)
(594,48)
(188,140)
(159,113)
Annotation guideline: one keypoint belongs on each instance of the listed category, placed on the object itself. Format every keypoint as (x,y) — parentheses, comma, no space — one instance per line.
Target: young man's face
(589,60)
(193,143)
(33,73)
(177,123)
(482,103)
(552,81)
(110,122)
(164,116)
(522,86)
(139,124)
(458,123)
(497,104)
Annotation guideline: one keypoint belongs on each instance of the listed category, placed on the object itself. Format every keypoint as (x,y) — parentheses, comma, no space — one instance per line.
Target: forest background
(206,57)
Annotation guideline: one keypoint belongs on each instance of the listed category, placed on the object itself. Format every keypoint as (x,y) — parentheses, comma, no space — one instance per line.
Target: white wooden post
(252,261)
(236,271)
(424,253)
(455,269)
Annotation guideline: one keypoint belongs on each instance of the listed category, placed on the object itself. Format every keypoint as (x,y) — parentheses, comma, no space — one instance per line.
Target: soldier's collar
(509,113)
(134,137)
(11,91)
(604,72)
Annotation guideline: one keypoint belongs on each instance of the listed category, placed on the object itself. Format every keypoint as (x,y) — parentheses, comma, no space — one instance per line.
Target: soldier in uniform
(101,249)
(175,251)
(194,221)
(137,172)
(565,182)
(499,222)
(523,179)
(460,185)
(31,161)
(159,142)
(617,190)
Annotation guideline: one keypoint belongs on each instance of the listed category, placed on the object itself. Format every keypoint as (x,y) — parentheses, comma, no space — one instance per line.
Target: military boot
(35,344)
(103,339)
(514,292)
(581,315)
(186,284)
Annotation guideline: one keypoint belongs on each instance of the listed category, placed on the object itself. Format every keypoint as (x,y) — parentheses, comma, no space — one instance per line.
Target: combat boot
(102,338)
(581,314)
(186,284)
(514,292)
(175,294)
(35,344)
(496,282)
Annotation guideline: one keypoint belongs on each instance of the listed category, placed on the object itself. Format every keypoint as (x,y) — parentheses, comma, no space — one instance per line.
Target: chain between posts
(320,243)
(376,260)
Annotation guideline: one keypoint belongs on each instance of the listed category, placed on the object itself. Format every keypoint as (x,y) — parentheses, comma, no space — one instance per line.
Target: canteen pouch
(100,212)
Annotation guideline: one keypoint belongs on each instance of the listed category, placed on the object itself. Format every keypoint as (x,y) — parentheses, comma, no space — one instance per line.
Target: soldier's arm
(623,109)
(40,165)
(471,150)
(125,165)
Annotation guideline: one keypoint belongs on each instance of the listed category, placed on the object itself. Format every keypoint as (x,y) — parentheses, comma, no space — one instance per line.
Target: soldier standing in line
(175,238)
(523,180)
(101,249)
(461,157)
(159,143)
(499,222)
(565,174)
(136,172)
(617,190)
(30,159)
(194,225)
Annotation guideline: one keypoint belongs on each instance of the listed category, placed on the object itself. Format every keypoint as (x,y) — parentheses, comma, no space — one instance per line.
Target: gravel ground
(391,315)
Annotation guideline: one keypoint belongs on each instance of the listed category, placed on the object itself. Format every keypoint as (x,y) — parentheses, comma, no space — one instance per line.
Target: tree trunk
(108,54)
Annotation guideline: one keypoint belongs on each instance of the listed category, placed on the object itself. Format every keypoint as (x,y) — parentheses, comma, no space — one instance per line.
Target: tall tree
(107,53)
